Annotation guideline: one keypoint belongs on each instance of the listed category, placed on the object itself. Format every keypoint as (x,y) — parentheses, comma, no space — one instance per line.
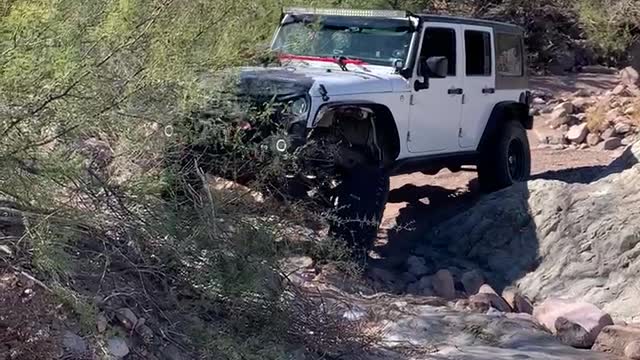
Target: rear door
(479,83)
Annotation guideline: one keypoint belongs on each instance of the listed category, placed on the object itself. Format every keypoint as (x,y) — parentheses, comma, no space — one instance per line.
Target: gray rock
(127,318)
(117,347)
(101,323)
(611,143)
(443,284)
(619,90)
(472,281)
(566,106)
(73,343)
(518,302)
(578,133)
(608,133)
(422,287)
(632,350)
(558,118)
(593,139)
(622,128)
(496,301)
(615,338)
(629,76)
(417,266)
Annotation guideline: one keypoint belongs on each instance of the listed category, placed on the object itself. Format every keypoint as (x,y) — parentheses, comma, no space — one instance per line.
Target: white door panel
(435,112)
(479,86)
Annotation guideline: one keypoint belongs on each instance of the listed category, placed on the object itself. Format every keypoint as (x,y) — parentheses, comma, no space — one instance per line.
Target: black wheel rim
(516,160)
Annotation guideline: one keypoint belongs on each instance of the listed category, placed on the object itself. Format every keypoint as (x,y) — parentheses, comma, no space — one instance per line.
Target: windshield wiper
(341,61)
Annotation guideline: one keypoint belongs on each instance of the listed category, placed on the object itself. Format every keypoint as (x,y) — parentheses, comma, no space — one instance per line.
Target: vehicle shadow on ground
(498,238)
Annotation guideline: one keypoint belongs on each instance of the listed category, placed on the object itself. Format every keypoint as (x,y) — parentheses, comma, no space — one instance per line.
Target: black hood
(281,83)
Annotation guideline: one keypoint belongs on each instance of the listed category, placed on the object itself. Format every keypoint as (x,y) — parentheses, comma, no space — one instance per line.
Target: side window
(440,42)
(477,46)
(509,55)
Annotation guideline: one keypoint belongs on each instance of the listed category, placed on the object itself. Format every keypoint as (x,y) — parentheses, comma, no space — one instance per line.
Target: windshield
(375,41)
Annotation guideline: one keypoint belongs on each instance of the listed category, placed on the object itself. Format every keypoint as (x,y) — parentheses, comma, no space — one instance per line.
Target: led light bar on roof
(347,12)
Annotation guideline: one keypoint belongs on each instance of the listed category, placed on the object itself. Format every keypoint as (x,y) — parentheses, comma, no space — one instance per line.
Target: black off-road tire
(361,198)
(506,160)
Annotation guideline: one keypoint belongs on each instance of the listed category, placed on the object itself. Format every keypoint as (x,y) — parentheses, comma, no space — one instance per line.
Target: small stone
(423,287)
(611,143)
(480,303)
(417,266)
(117,347)
(462,305)
(578,133)
(608,133)
(127,318)
(622,128)
(73,343)
(538,101)
(619,90)
(145,333)
(496,300)
(517,301)
(443,284)
(632,351)
(629,76)
(494,312)
(557,118)
(472,281)
(581,104)
(593,139)
(583,146)
(630,110)
(101,323)
(612,115)
(566,106)
(6,250)
(582,93)
(564,128)
(633,90)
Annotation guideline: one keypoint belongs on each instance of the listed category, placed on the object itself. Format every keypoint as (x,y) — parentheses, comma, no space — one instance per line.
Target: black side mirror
(436,67)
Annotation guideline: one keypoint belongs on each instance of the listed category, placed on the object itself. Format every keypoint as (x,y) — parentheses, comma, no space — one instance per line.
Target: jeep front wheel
(507,160)
(359,204)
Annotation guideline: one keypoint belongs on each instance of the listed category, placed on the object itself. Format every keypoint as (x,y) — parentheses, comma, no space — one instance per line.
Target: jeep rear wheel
(359,204)
(507,160)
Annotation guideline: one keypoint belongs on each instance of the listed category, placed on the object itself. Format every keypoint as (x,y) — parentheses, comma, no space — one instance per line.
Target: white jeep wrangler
(389,92)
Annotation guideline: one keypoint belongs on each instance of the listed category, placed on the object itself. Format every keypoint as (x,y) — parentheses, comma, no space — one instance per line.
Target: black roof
(496,25)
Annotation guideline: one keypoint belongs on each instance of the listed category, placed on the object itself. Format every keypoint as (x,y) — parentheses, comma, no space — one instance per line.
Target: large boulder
(576,323)
(550,238)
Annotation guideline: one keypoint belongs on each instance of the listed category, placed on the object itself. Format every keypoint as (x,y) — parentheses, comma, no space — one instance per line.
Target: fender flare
(384,117)
(502,112)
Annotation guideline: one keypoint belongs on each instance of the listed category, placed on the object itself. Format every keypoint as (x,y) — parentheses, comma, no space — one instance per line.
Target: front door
(435,112)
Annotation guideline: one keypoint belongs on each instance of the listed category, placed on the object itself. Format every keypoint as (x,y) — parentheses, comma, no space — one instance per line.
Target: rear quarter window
(509,59)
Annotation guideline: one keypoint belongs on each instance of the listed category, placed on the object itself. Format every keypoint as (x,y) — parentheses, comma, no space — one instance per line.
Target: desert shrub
(98,149)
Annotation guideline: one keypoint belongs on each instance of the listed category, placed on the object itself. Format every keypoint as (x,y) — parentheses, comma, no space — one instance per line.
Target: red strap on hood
(319,58)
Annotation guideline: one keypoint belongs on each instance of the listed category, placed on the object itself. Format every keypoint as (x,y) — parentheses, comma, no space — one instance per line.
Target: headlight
(299,106)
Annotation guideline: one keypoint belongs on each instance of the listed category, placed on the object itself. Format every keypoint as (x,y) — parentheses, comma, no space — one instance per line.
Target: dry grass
(597,117)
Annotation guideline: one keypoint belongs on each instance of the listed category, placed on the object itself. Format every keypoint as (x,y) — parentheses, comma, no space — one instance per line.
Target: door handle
(455,91)
(488,91)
